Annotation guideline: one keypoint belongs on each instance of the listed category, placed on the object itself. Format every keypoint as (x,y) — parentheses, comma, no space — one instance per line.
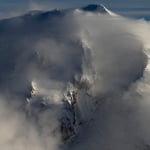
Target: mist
(74,79)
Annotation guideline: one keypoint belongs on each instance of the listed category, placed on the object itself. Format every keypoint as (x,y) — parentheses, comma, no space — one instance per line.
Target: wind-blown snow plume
(74,79)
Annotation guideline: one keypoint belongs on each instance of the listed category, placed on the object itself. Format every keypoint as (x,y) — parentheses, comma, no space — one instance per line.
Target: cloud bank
(74,79)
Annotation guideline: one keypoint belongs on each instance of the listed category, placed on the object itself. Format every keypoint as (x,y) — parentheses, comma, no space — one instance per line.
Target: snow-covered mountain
(97,9)
(74,79)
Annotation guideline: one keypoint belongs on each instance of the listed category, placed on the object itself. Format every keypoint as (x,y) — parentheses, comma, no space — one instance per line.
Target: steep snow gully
(74,79)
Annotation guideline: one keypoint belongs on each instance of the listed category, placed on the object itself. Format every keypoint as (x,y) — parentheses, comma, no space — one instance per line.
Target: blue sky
(5,4)
(22,5)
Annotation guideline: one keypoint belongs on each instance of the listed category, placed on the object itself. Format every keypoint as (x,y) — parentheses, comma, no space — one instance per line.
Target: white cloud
(102,57)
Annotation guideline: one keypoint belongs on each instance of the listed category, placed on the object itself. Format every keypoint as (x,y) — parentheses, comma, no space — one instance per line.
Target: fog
(104,58)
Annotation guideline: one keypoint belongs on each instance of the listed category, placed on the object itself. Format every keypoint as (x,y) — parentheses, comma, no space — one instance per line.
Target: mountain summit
(95,8)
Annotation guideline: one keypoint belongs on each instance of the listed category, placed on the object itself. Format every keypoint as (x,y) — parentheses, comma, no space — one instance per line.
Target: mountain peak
(95,8)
